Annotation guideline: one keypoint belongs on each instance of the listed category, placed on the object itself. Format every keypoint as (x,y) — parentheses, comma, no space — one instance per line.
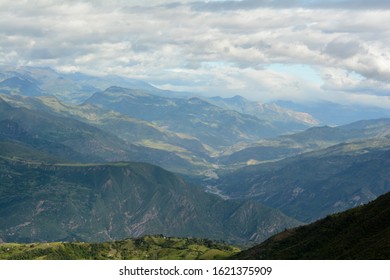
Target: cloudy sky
(261,49)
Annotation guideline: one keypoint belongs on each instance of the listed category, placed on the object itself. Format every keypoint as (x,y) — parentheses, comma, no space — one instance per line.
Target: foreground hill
(359,233)
(99,202)
(143,248)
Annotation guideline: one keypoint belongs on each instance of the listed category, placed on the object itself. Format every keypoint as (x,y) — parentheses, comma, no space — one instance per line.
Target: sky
(264,50)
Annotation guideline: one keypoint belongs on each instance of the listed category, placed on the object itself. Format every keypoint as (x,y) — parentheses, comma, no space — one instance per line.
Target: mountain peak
(116,89)
(197,101)
(238,98)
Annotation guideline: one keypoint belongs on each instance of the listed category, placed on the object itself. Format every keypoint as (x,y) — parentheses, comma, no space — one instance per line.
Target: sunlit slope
(143,248)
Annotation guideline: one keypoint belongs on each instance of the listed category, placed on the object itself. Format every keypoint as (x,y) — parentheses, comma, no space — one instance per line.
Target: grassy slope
(144,248)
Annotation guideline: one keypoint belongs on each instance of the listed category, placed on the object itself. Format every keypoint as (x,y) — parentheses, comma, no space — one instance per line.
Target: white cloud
(224,47)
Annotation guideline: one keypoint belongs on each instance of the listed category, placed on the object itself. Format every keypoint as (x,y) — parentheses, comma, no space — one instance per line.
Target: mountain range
(68,87)
(192,130)
(86,158)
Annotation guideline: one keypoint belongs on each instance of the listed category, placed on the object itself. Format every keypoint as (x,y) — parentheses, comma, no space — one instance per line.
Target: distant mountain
(210,124)
(192,129)
(267,111)
(330,113)
(70,87)
(99,202)
(313,185)
(309,140)
(360,233)
(357,130)
(77,87)
(17,85)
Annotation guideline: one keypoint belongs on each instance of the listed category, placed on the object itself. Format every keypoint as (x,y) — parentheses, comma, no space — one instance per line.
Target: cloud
(344,47)
(283,4)
(217,47)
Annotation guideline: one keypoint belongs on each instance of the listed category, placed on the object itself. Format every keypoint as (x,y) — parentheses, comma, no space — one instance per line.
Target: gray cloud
(244,4)
(286,4)
(351,4)
(344,47)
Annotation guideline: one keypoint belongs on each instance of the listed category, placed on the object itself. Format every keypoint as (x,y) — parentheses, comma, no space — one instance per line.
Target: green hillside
(99,202)
(359,233)
(143,248)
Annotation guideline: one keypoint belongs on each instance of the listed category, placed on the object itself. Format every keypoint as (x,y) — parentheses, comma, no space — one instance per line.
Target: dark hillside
(359,233)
